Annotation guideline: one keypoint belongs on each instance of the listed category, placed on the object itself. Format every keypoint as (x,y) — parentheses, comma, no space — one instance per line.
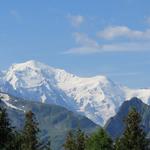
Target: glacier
(98,98)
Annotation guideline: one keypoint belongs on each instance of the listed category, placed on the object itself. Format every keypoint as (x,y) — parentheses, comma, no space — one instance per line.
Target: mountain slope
(115,126)
(143,94)
(97,98)
(54,121)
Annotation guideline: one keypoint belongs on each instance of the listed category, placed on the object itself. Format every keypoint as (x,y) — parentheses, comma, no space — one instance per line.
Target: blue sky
(88,37)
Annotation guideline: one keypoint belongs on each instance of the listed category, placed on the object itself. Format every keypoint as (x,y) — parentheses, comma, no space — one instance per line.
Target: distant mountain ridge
(97,98)
(115,126)
(54,121)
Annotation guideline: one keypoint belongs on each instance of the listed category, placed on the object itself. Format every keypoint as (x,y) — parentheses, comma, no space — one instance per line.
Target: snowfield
(98,98)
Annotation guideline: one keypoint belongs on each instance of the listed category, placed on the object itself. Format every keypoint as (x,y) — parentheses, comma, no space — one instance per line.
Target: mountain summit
(98,98)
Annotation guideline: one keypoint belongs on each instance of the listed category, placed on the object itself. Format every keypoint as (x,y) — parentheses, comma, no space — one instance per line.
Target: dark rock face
(115,126)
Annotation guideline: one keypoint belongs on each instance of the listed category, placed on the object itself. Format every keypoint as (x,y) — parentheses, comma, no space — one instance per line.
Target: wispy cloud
(113,32)
(84,39)
(86,45)
(119,47)
(76,20)
(108,40)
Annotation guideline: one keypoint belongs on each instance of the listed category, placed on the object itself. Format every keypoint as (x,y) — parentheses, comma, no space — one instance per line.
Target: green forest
(11,138)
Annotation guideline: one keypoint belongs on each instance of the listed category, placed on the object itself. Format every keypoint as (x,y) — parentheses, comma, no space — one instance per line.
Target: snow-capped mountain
(98,98)
(143,94)
(8,101)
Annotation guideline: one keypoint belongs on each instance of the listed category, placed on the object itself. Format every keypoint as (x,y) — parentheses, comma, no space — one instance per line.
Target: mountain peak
(32,63)
(98,98)
(29,64)
(115,126)
(36,65)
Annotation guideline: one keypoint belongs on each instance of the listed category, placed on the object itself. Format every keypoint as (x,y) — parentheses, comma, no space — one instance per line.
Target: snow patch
(98,98)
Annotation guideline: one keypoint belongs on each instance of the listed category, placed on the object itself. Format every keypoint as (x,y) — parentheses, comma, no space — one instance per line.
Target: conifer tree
(30,132)
(99,141)
(70,143)
(134,137)
(17,141)
(80,140)
(6,131)
(118,144)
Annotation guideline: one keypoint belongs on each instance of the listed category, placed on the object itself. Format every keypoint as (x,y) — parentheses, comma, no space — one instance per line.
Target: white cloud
(84,39)
(76,20)
(86,45)
(131,41)
(113,32)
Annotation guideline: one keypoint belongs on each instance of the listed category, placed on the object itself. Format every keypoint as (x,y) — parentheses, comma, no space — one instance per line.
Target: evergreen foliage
(80,140)
(75,141)
(70,143)
(118,144)
(6,131)
(17,141)
(99,141)
(30,132)
(133,137)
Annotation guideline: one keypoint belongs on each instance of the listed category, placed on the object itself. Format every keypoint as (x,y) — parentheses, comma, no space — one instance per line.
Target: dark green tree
(6,131)
(17,141)
(30,132)
(70,143)
(99,141)
(118,144)
(80,140)
(133,137)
